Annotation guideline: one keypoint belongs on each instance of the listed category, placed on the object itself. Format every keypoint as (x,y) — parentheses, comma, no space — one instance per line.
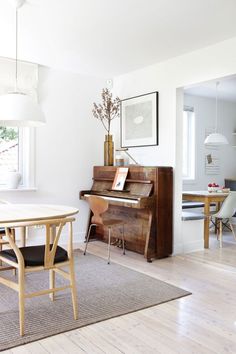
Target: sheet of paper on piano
(120,177)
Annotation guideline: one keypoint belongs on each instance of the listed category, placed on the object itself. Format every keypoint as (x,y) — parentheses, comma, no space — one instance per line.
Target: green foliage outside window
(8,134)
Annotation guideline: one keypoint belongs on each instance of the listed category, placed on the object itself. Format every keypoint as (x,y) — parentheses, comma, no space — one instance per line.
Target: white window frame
(190,150)
(26,158)
(29,84)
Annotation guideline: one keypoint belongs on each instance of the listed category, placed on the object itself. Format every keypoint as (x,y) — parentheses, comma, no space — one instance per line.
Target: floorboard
(203,323)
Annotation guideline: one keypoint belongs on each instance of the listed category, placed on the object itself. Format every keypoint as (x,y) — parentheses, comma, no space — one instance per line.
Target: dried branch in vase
(108,110)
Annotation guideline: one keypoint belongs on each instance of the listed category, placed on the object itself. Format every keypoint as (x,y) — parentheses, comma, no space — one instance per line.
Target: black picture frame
(139,120)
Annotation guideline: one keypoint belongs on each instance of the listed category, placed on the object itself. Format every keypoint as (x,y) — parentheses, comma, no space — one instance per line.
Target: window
(17,146)
(188,144)
(16,153)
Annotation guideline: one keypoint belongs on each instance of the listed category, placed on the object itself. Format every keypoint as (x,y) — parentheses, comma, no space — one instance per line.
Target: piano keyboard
(124,200)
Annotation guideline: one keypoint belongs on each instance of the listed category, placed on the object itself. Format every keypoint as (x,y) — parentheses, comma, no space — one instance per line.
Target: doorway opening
(209,167)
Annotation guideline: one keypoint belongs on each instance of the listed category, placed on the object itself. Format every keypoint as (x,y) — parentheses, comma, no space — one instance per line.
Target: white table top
(33,212)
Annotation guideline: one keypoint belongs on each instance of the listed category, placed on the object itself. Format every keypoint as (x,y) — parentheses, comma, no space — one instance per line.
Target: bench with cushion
(188,215)
(192,231)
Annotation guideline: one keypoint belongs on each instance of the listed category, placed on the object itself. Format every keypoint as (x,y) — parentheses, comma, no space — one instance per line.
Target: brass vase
(108,150)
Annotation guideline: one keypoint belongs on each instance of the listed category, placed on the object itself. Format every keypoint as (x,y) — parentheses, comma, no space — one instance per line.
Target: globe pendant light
(16,108)
(216,138)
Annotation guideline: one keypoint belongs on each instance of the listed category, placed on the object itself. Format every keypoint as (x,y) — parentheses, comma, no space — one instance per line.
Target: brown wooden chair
(98,206)
(49,257)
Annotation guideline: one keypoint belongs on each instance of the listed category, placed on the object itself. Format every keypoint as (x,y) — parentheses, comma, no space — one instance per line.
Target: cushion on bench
(189,205)
(186,216)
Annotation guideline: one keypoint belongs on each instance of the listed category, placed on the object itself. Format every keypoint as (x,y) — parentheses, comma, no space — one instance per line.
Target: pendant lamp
(216,138)
(16,108)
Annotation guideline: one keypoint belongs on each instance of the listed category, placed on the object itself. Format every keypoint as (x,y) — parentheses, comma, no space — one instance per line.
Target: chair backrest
(228,207)
(98,206)
(53,229)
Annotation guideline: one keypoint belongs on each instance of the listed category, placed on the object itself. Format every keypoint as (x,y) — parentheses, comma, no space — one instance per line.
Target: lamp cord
(217,84)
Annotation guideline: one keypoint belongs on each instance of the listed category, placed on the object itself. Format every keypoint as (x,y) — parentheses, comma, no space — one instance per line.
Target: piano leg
(123,239)
(148,237)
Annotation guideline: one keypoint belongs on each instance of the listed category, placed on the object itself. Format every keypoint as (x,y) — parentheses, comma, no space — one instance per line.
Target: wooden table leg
(52,233)
(206,223)
(22,236)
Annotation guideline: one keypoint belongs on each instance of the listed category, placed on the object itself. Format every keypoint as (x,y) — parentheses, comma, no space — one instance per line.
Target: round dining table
(13,213)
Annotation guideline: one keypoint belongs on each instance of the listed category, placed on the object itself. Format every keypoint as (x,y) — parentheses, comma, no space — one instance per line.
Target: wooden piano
(145,205)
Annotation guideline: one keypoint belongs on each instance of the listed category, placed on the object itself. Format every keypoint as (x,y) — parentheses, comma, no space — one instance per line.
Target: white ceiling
(108,37)
(226,89)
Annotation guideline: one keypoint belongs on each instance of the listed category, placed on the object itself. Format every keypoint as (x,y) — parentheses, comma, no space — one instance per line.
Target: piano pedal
(117,243)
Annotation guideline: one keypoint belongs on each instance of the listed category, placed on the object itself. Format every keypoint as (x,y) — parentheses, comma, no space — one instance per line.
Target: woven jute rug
(104,291)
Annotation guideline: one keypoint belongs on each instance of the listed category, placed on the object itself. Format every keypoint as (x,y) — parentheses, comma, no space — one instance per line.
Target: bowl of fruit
(213,187)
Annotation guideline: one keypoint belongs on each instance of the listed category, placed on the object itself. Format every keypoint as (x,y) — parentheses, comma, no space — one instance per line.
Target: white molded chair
(226,211)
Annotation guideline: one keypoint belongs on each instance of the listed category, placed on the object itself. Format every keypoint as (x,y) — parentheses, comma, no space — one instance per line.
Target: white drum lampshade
(19,110)
(16,108)
(216,138)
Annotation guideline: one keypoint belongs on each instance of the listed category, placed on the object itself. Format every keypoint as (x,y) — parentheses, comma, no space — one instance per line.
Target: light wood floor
(204,322)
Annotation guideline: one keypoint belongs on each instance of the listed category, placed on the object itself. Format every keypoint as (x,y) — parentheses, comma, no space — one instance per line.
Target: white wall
(71,142)
(202,65)
(204,109)
(69,145)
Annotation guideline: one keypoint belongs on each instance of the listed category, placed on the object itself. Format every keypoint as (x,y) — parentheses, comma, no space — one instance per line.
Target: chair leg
(226,224)
(109,246)
(217,221)
(220,235)
(216,226)
(21,283)
(123,239)
(14,239)
(51,282)
(0,250)
(232,229)
(73,289)
(87,238)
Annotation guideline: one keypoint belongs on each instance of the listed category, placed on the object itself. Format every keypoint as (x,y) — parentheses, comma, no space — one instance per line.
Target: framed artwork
(139,120)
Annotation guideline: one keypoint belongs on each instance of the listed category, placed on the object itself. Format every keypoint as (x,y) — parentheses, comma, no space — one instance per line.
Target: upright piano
(145,205)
